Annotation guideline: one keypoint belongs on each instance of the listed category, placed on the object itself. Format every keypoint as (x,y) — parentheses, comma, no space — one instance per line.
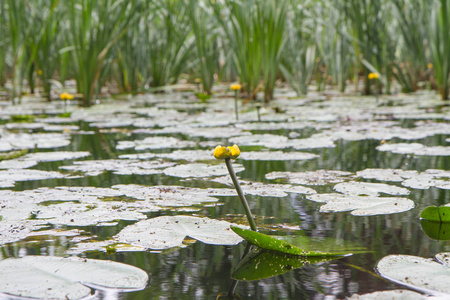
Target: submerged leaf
(264,264)
(66,277)
(436,230)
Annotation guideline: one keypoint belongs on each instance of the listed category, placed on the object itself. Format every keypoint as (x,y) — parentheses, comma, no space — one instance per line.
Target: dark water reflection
(201,271)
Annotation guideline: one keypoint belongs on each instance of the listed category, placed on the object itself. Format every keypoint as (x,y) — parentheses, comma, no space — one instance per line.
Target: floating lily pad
(119,166)
(415,149)
(263,264)
(362,205)
(436,214)
(12,175)
(158,142)
(66,277)
(188,155)
(200,170)
(395,175)
(35,140)
(319,177)
(266,140)
(369,189)
(391,295)
(276,155)
(429,178)
(170,231)
(418,273)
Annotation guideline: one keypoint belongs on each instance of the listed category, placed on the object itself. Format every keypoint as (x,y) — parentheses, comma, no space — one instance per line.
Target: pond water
(342,133)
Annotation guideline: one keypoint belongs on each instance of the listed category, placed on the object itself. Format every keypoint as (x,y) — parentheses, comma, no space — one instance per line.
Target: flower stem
(236,105)
(240,194)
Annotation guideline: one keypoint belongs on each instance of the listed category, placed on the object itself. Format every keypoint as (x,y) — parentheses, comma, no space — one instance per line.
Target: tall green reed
(207,51)
(170,43)
(94,26)
(438,39)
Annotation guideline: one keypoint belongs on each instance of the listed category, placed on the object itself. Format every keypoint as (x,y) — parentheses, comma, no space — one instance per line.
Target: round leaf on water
(391,295)
(436,213)
(418,273)
(170,231)
(66,278)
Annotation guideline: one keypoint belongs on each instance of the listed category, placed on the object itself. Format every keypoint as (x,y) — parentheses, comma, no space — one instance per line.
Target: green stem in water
(236,105)
(240,194)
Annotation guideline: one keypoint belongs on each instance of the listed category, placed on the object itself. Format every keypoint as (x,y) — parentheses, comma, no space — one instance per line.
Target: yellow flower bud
(221,152)
(70,96)
(430,66)
(235,87)
(63,96)
(234,151)
(373,76)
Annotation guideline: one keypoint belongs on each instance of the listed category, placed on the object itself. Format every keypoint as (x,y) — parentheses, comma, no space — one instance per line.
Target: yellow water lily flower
(234,151)
(235,87)
(221,152)
(66,96)
(430,66)
(373,76)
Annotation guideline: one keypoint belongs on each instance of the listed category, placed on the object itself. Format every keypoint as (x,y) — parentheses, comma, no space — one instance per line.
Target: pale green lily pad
(266,126)
(319,177)
(311,143)
(391,295)
(258,188)
(170,231)
(35,140)
(362,205)
(158,142)
(166,196)
(119,166)
(415,149)
(276,155)
(65,128)
(394,175)
(418,273)
(12,175)
(200,170)
(188,155)
(266,140)
(103,246)
(66,277)
(17,164)
(369,189)
(429,178)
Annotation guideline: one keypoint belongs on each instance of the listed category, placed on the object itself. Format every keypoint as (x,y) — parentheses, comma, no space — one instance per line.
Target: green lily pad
(436,213)
(262,264)
(274,244)
(66,277)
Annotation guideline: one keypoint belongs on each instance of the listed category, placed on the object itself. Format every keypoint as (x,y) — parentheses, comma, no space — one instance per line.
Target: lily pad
(418,273)
(319,177)
(395,175)
(200,170)
(362,205)
(391,295)
(12,175)
(369,189)
(66,277)
(264,264)
(415,149)
(170,231)
(158,142)
(436,214)
(276,155)
(277,245)
(266,140)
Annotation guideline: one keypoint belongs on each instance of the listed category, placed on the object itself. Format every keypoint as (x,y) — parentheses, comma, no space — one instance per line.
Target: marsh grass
(140,44)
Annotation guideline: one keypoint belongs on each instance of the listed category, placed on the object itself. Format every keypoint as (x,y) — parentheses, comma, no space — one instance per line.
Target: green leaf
(436,213)
(262,264)
(436,230)
(277,245)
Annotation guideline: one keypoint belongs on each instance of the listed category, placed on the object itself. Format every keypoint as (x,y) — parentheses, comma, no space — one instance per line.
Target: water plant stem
(241,195)
(235,106)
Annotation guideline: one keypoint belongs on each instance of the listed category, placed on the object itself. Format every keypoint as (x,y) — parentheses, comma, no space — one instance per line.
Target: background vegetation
(141,45)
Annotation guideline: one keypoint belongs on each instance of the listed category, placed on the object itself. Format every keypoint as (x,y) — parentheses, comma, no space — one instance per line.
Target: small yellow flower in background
(39,72)
(430,66)
(373,76)
(221,152)
(197,80)
(66,96)
(235,87)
